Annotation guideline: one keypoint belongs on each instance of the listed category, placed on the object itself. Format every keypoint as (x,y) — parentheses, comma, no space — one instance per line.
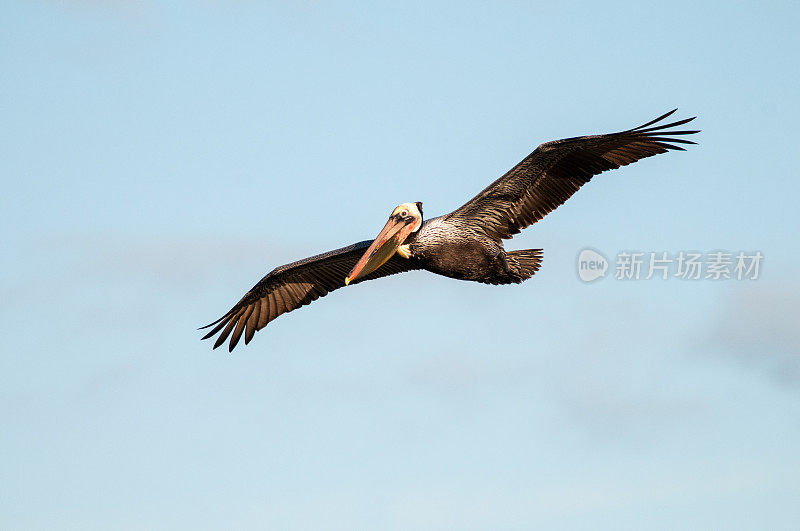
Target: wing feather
(252,322)
(230,324)
(263,316)
(237,332)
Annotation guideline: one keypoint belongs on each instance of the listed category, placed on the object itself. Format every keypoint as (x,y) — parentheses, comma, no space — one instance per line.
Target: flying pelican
(466,244)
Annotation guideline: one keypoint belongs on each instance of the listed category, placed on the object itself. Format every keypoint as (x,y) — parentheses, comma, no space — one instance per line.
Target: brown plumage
(465,244)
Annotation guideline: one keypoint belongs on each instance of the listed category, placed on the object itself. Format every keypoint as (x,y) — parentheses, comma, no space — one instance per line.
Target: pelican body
(466,244)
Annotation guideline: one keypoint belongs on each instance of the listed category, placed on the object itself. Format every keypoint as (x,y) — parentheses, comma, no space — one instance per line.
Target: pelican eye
(403,214)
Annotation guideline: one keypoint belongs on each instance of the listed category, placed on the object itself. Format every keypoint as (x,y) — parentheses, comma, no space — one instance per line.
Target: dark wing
(556,170)
(294,285)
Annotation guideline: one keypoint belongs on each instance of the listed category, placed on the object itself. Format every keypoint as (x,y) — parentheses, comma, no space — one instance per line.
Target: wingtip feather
(651,122)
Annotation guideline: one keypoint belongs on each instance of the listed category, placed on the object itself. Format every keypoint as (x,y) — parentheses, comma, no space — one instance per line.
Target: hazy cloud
(761,327)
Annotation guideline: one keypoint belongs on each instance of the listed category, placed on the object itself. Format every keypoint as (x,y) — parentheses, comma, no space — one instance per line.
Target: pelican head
(406,219)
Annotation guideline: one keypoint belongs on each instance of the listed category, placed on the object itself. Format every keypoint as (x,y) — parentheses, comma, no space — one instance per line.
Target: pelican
(466,244)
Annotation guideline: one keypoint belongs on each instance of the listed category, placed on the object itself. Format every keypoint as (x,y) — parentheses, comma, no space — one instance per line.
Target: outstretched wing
(556,170)
(294,285)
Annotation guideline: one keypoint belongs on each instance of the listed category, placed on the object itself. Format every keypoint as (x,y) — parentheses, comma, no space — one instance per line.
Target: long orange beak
(385,245)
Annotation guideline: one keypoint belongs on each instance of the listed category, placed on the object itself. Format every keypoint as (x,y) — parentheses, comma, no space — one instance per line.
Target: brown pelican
(466,244)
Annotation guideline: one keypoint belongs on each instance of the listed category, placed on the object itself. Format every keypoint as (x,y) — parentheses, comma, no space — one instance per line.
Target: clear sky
(158,158)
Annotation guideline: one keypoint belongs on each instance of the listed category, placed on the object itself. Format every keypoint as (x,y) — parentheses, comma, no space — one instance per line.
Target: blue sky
(157,160)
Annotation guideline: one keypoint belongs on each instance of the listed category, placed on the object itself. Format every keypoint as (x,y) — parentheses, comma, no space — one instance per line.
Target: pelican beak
(385,245)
